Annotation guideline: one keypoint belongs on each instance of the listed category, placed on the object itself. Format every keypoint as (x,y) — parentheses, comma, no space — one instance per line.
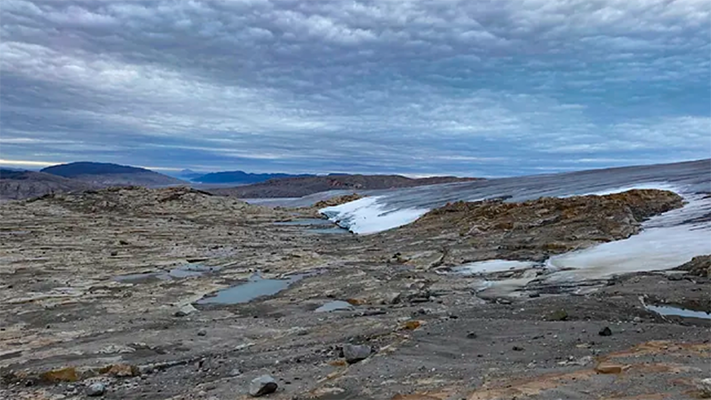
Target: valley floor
(68,319)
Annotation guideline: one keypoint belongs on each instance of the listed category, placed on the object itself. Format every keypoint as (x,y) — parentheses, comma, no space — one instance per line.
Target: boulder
(262,385)
(609,368)
(354,353)
(558,315)
(704,387)
(95,389)
(185,310)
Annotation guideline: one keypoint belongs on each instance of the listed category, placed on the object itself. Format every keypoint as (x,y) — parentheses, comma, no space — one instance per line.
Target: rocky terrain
(699,266)
(16,185)
(533,230)
(303,186)
(117,293)
(106,174)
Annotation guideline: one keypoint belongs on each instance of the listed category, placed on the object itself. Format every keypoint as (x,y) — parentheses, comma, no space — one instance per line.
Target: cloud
(491,87)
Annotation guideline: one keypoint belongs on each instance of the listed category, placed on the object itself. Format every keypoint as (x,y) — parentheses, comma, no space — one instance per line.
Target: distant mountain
(15,185)
(302,186)
(241,177)
(106,174)
(188,174)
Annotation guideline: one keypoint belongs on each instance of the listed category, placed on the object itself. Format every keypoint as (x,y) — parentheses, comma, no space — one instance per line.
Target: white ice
(366,216)
(664,243)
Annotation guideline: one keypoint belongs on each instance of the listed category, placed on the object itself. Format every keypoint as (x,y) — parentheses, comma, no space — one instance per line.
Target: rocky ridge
(536,229)
(303,186)
(16,185)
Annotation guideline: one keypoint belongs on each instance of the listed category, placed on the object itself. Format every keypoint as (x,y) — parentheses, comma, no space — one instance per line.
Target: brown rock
(608,368)
(120,370)
(411,325)
(699,266)
(538,228)
(68,374)
(337,201)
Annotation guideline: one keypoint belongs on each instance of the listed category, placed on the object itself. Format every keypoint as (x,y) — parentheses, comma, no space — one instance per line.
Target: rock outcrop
(17,185)
(337,201)
(136,200)
(699,266)
(538,228)
(303,186)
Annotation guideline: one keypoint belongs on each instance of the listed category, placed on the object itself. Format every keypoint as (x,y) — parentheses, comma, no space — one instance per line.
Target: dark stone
(262,385)
(606,331)
(354,353)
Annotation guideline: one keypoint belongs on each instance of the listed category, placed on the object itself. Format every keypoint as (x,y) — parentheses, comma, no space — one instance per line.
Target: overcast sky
(485,87)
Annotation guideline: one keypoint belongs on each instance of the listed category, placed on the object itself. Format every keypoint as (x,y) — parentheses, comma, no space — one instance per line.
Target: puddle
(191,270)
(490,266)
(252,289)
(138,278)
(305,222)
(678,312)
(328,231)
(184,271)
(335,306)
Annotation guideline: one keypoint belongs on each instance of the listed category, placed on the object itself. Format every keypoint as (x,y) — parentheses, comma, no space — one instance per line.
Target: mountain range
(302,186)
(241,177)
(105,174)
(85,175)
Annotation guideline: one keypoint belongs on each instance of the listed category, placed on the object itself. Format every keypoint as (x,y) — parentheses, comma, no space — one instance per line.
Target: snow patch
(366,216)
(666,241)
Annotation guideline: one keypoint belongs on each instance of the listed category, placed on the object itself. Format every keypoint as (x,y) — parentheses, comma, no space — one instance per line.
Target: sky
(419,87)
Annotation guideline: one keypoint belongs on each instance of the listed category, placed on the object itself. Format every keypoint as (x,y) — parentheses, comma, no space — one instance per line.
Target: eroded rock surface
(67,321)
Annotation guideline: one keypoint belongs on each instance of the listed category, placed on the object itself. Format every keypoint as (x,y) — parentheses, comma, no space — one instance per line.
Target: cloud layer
(492,87)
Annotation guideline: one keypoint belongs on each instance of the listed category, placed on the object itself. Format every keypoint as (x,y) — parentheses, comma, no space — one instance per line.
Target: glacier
(666,241)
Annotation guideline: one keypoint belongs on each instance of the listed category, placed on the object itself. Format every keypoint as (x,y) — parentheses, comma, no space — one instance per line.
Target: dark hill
(15,185)
(302,186)
(106,174)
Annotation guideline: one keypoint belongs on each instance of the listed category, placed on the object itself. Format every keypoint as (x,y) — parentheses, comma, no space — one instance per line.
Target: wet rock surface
(65,320)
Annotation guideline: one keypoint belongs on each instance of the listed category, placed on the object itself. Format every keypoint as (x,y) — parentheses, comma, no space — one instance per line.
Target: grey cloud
(377,86)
